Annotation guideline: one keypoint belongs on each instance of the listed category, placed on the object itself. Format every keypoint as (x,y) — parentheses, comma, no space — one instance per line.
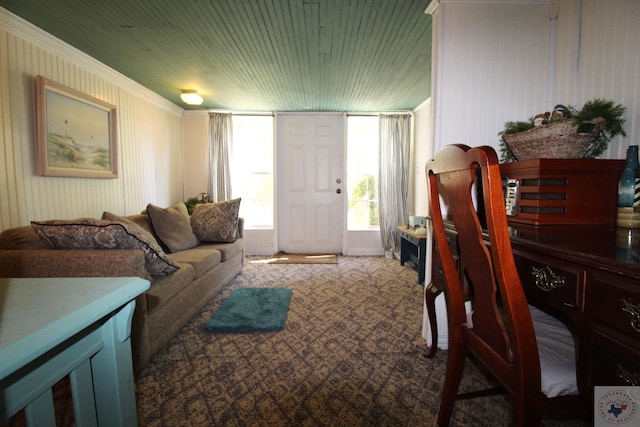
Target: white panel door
(310,167)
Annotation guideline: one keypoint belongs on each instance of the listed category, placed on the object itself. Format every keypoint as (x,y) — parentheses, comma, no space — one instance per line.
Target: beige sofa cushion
(227,250)
(202,259)
(164,288)
(140,220)
(172,225)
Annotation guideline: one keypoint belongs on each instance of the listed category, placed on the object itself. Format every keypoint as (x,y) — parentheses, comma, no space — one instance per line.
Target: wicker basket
(556,140)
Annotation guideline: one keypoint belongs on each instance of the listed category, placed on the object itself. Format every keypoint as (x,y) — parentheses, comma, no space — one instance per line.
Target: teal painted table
(53,327)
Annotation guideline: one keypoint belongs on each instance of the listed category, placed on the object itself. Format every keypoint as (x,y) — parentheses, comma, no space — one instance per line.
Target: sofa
(186,260)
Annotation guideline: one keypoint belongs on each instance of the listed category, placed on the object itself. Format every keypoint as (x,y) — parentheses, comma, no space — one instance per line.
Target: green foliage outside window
(364,201)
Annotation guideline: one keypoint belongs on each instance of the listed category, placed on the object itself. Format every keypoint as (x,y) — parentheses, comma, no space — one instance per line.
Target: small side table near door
(413,248)
(53,327)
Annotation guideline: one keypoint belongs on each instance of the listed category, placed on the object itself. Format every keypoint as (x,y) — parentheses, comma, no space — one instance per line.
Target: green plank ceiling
(255,55)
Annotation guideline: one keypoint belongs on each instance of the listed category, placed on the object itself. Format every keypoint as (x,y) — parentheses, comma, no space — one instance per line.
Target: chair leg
(455,366)
(430,301)
(527,410)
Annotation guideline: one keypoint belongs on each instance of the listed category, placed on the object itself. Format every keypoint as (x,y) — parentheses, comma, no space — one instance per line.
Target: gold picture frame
(76,133)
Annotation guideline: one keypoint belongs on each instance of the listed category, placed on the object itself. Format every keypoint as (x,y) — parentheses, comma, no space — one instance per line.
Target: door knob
(338,191)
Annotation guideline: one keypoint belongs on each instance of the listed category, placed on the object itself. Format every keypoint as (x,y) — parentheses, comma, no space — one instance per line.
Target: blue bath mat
(251,310)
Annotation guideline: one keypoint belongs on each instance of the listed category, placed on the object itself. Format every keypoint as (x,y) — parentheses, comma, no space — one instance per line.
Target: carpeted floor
(350,354)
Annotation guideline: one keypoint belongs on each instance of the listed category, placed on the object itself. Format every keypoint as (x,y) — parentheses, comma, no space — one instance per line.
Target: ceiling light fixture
(191,97)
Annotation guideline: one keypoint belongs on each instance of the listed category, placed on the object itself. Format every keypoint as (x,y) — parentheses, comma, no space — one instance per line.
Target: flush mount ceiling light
(191,97)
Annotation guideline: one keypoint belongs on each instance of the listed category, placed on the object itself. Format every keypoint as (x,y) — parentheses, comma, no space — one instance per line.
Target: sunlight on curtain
(220,138)
(395,143)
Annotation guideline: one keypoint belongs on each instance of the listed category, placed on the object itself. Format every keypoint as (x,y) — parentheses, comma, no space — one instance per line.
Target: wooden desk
(81,327)
(413,248)
(589,276)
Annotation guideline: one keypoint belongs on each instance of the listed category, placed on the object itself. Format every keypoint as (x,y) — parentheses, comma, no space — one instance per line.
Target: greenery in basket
(191,203)
(612,114)
(196,200)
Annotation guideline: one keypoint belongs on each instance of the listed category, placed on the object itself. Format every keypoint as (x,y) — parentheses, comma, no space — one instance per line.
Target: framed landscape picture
(76,133)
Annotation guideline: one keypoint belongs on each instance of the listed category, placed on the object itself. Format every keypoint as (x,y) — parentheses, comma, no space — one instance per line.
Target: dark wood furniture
(413,248)
(589,276)
(499,331)
(563,191)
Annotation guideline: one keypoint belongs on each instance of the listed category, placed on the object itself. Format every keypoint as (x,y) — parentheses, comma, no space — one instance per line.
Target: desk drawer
(543,280)
(617,303)
(615,362)
(408,237)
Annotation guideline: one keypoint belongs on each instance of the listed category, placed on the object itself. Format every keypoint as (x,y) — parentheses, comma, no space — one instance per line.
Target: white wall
(423,151)
(492,65)
(196,152)
(149,134)
(608,59)
(496,61)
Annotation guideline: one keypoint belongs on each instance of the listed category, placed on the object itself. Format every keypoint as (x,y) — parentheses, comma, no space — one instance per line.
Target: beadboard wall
(608,61)
(496,61)
(149,134)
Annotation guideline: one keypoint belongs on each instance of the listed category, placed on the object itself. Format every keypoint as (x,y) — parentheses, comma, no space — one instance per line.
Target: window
(363,142)
(252,169)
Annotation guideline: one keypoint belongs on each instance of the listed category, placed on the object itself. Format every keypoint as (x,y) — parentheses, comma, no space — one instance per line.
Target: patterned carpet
(350,354)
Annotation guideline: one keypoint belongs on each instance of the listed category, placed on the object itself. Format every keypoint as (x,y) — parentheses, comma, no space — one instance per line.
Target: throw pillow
(173,226)
(89,233)
(130,222)
(216,222)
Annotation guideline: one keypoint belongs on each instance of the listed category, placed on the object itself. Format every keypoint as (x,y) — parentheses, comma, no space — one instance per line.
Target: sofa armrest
(72,263)
(240,227)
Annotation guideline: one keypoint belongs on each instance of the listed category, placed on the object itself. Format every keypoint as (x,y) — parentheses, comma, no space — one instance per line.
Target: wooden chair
(499,331)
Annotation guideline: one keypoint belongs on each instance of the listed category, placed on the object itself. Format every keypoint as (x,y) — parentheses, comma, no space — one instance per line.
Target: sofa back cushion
(141,220)
(172,225)
(216,222)
(89,233)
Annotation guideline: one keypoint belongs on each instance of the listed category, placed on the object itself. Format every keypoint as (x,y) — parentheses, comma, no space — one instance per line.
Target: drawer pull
(546,279)
(633,313)
(630,378)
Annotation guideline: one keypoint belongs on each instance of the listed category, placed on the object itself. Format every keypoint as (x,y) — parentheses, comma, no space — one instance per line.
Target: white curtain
(220,139)
(393,180)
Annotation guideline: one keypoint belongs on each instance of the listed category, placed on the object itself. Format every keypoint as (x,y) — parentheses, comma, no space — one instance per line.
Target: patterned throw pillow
(89,233)
(173,226)
(216,222)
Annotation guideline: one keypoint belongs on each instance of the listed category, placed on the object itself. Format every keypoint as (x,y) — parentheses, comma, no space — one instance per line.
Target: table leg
(40,412)
(113,372)
(404,250)
(84,404)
